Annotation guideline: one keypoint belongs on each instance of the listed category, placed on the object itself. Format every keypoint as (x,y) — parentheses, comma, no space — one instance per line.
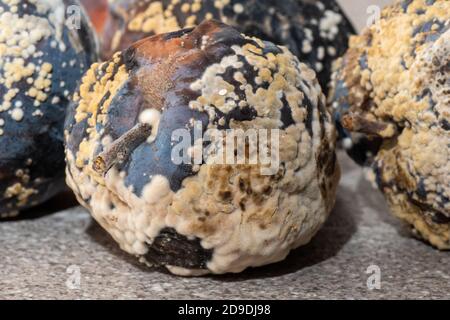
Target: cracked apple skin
(42,62)
(391,97)
(317,32)
(196,219)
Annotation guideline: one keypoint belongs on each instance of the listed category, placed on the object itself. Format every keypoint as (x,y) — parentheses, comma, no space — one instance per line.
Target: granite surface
(41,258)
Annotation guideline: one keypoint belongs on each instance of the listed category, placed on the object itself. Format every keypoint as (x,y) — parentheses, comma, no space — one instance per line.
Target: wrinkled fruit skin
(392,89)
(316,32)
(39,71)
(199,219)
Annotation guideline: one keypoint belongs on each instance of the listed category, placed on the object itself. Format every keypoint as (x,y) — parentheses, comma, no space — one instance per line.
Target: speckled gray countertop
(42,258)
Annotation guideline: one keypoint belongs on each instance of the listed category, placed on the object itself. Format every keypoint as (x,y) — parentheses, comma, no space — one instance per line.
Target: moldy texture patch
(316,31)
(198,219)
(392,88)
(41,63)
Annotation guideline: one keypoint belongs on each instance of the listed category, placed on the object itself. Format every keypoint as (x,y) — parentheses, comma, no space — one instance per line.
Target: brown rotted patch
(171,248)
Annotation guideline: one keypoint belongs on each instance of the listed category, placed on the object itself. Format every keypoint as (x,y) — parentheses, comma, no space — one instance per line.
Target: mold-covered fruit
(316,31)
(41,62)
(391,94)
(202,217)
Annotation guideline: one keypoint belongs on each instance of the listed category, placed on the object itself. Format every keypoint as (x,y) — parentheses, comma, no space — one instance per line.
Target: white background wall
(357,9)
